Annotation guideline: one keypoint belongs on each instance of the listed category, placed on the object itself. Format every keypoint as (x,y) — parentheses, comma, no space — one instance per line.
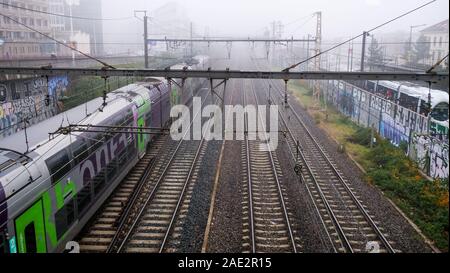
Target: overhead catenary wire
(64,15)
(103,139)
(355,37)
(437,64)
(59,42)
(92,116)
(136,43)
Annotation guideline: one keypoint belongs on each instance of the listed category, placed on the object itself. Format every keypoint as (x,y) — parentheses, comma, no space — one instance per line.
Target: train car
(50,190)
(413,97)
(191,85)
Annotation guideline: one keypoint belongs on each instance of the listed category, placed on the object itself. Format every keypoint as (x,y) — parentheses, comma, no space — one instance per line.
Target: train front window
(440,112)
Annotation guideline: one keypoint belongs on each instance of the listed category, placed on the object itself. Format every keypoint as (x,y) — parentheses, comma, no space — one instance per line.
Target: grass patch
(425,202)
(84,89)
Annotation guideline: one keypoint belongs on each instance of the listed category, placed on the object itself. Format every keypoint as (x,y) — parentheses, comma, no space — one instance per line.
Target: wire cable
(64,15)
(355,37)
(437,64)
(59,42)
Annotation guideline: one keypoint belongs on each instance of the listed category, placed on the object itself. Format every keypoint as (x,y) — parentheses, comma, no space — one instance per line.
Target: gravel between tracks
(226,225)
(196,219)
(395,226)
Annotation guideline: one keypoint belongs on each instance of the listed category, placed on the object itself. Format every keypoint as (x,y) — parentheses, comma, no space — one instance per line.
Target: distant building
(171,21)
(437,35)
(94,28)
(19,42)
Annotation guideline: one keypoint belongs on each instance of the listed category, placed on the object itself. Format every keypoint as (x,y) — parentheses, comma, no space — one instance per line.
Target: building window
(434,41)
(440,41)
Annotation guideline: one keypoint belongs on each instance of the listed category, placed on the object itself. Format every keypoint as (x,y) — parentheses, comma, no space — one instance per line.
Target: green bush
(317,118)
(424,201)
(361,136)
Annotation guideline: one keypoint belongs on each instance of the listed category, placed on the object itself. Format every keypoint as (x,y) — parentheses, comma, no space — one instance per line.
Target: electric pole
(192,44)
(145,40)
(145,35)
(363,53)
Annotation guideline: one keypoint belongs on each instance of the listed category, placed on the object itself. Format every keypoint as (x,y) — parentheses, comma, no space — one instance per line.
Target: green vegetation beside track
(387,167)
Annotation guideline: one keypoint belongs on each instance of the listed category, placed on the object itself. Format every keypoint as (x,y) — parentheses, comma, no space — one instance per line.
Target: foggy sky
(341,18)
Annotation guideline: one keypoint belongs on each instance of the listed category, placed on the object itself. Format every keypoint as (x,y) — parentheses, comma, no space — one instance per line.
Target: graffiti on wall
(394,131)
(28,100)
(57,86)
(438,130)
(393,122)
(431,154)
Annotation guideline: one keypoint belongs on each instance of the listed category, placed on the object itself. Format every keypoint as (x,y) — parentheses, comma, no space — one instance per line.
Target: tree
(375,53)
(421,50)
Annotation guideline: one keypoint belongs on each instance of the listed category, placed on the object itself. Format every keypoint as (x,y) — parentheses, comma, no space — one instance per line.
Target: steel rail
(344,241)
(130,204)
(249,176)
(154,189)
(186,182)
(342,181)
(288,224)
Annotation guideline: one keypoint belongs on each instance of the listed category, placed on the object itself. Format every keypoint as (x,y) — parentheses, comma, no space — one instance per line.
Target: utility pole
(307,53)
(71,30)
(363,53)
(273,37)
(145,40)
(192,44)
(348,56)
(351,57)
(410,39)
(145,35)
(316,87)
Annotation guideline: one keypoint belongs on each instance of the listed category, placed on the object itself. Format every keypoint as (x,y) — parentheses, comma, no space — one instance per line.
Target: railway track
(102,230)
(154,223)
(141,214)
(150,233)
(347,221)
(267,224)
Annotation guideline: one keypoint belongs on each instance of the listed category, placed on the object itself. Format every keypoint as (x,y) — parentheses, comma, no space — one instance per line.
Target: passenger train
(50,190)
(413,97)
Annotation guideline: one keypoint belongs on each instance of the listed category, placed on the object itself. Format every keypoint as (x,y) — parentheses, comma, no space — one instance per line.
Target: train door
(30,230)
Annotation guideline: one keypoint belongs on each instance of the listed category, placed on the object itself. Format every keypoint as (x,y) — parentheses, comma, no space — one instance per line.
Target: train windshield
(440,112)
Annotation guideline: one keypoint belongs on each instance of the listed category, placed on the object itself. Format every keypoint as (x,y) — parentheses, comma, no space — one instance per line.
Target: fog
(249,17)
(237,18)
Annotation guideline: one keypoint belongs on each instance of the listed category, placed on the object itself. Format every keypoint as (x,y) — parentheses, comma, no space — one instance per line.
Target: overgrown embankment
(387,167)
